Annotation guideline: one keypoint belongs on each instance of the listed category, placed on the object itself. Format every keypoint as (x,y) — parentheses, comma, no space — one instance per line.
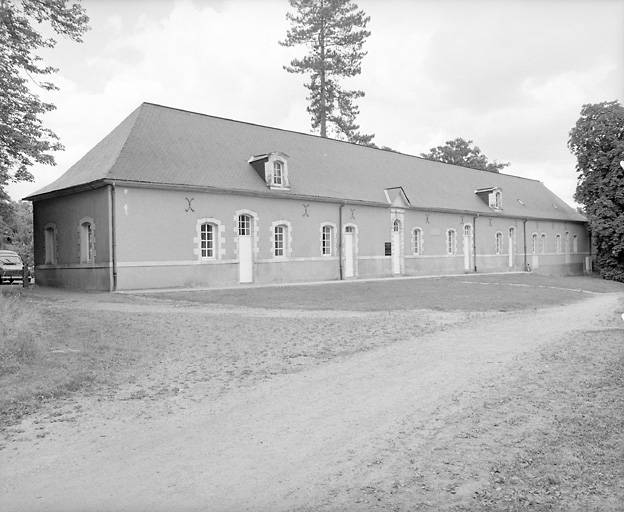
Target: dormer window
(493,197)
(278,173)
(273,169)
(496,200)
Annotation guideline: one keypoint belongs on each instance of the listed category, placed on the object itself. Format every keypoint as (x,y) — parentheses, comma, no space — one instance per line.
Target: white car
(11,267)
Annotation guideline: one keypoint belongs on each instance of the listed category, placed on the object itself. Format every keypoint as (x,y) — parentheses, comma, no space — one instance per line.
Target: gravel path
(271,439)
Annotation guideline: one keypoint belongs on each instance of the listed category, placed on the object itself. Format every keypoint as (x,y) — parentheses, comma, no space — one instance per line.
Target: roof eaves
(66,191)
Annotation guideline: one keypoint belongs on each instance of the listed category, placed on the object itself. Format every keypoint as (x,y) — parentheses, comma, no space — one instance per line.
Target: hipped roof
(167,147)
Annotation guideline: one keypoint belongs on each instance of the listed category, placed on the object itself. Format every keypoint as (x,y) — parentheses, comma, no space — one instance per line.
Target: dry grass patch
(19,343)
(48,352)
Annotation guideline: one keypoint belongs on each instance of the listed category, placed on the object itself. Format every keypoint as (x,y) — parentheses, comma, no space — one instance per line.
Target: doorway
(349,251)
(245,250)
(512,247)
(396,247)
(467,247)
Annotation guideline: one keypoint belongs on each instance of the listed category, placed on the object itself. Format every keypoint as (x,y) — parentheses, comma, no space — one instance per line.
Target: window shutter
(268,173)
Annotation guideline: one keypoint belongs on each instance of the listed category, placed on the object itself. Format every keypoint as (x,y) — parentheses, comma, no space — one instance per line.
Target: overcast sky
(511,75)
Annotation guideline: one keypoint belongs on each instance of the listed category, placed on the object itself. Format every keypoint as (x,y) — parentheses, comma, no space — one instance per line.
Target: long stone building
(172,198)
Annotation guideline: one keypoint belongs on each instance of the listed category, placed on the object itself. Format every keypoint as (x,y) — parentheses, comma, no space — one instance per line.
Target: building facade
(176,199)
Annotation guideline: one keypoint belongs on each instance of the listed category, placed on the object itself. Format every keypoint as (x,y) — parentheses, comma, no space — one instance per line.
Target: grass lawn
(482,292)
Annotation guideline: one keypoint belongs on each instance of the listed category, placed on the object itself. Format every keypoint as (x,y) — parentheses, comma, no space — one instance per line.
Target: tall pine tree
(333,31)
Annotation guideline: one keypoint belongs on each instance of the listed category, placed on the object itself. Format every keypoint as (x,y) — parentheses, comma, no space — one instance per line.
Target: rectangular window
(279,241)
(327,241)
(207,241)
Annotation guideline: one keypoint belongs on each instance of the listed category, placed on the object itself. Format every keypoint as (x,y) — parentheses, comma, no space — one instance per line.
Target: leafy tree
(16,228)
(333,31)
(460,152)
(597,142)
(23,138)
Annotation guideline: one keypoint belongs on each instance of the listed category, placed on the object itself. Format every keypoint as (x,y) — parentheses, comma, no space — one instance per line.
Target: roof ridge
(247,123)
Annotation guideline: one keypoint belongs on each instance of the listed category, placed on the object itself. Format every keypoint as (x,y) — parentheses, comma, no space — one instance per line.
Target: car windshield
(10,260)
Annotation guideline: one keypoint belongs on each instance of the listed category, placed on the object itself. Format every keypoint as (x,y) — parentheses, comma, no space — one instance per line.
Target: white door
(512,247)
(245,250)
(349,253)
(467,248)
(396,247)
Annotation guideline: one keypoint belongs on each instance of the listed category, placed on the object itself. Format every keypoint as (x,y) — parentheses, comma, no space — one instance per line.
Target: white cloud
(510,75)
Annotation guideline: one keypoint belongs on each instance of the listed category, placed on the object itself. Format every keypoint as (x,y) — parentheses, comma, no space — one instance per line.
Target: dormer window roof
(273,169)
(492,196)
(397,197)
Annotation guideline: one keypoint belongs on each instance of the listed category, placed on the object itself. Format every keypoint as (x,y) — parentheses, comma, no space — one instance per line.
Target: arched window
(87,241)
(417,241)
(327,235)
(50,244)
(498,199)
(207,240)
(543,243)
(558,244)
(279,240)
(499,243)
(534,243)
(451,241)
(396,226)
(575,243)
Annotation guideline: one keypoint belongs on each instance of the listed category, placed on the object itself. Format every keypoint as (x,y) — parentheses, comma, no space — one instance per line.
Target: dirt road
(287,442)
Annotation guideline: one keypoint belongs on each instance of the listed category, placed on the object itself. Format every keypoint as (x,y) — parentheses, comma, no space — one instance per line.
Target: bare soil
(271,407)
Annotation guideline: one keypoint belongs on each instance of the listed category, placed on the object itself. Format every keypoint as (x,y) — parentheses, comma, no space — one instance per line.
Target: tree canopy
(334,32)
(597,142)
(461,152)
(16,228)
(24,140)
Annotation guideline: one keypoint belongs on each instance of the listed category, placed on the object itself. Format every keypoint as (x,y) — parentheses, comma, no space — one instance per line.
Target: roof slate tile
(172,147)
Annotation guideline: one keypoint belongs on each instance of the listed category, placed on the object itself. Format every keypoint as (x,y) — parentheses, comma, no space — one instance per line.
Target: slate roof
(168,147)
